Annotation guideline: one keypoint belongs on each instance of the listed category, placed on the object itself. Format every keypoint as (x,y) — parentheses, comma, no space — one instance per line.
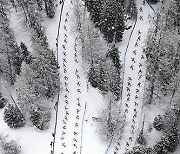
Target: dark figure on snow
(140,71)
(134,52)
(130,138)
(126,111)
(141,18)
(133,60)
(131,67)
(64,46)
(140,9)
(64,65)
(142,57)
(65,70)
(139,84)
(129,78)
(135,103)
(64,53)
(139,38)
(136,44)
(140,65)
(129,84)
(65,28)
(140,76)
(78,83)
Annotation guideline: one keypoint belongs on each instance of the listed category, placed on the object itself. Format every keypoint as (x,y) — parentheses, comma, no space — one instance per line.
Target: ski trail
(74,93)
(124,63)
(134,79)
(56,107)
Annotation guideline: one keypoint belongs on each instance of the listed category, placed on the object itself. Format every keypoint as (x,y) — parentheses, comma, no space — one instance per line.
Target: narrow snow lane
(134,80)
(73,93)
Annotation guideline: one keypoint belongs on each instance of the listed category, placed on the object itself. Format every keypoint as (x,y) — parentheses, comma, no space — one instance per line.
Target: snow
(76,130)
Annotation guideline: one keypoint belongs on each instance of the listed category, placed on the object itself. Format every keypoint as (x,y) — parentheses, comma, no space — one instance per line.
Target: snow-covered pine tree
(131,9)
(29,12)
(9,52)
(112,22)
(162,54)
(13,117)
(50,8)
(25,53)
(46,78)
(110,122)
(29,102)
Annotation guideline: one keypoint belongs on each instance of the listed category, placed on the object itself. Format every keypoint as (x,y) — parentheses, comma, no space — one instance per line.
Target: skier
(78,77)
(131,67)
(139,84)
(140,65)
(64,46)
(65,40)
(64,53)
(126,111)
(141,18)
(129,84)
(140,71)
(129,78)
(133,60)
(134,52)
(139,38)
(78,83)
(136,44)
(130,138)
(142,57)
(140,9)
(65,70)
(64,65)
(137,90)
(135,103)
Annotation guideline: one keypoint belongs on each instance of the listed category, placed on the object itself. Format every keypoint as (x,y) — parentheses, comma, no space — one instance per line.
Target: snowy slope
(133,81)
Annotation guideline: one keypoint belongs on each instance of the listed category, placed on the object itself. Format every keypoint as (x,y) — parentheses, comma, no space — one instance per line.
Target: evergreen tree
(131,9)
(13,117)
(110,122)
(50,8)
(9,53)
(112,23)
(25,53)
(108,16)
(162,52)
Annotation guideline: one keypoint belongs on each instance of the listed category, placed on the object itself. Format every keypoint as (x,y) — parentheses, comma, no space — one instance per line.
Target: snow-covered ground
(77,104)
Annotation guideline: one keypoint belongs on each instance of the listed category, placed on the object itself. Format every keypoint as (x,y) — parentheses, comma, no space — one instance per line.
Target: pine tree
(112,20)
(9,53)
(25,54)
(131,9)
(50,8)
(13,117)
(110,122)
(162,52)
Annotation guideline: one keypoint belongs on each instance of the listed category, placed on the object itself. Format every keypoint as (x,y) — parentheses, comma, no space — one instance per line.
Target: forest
(77,71)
